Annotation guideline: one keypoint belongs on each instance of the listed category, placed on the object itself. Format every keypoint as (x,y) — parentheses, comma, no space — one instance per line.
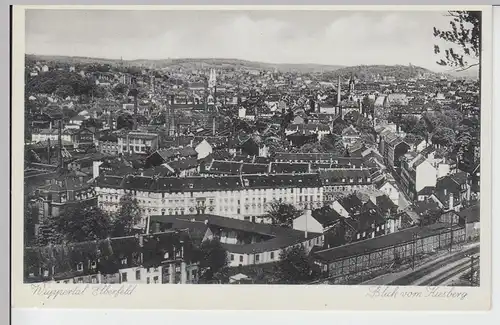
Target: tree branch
(468,67)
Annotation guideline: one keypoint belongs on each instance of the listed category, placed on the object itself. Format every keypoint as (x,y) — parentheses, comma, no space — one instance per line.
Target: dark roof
(381,242)
(344,176)
(282,181)
(351,203)
(247,168)
(428,190)
(384,203)
(326,216)
(289,168)
(279,237)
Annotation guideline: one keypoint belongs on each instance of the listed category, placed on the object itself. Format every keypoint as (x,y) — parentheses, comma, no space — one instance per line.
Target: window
(232,257)
(357,236)
(257,257)
(382,226)
(124,277)
(155,269)
(155,279)
(194,274)
(94,279)
(241,258)
(272,255)
(80,280)
(93,264)
(148,270)
(46,273)
(124,261)
(148,280)
(138,274)
(364,233)
(79,267)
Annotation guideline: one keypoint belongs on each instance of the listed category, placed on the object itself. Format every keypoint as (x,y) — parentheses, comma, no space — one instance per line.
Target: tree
(465,35)
(120,89)
(213,261)
(128,216)
(49,232)
(429,217)
(29,225)
(64,91)
(293,266)
(443,137)
(332,143)
(83,223)
(125,121)
(282,214)
(408,123)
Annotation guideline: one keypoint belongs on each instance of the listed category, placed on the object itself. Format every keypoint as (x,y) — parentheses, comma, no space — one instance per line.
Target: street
(438,270)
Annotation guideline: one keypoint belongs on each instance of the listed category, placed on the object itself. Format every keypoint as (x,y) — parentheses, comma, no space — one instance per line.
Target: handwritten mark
(428,292)
(46,291)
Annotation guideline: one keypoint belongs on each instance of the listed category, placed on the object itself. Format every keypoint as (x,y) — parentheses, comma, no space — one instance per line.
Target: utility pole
(414,251)
(451,234)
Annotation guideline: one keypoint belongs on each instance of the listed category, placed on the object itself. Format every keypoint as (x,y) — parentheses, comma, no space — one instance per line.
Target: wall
(347,269)
(340,209)
(203,149)
(144,274)
(426,175)
(307,222)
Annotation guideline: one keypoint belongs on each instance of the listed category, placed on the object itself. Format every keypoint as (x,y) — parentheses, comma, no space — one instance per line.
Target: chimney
(141,240)
(451,205)
(61,161)
(48,151)
(338,92)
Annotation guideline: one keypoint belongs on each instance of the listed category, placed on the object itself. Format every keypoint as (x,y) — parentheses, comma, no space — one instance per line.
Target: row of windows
(124,277)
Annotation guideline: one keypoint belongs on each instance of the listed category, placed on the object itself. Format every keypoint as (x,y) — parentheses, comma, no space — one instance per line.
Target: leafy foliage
(444,137)
(128,215)
(62,83)
(213,261)
(125,121)
(282,214)
(465,32)
(75,224)
(294,267)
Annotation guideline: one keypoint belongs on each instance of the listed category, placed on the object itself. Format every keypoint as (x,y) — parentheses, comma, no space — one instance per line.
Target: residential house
(417,172)
(390,189)
(144,259)
(246,243)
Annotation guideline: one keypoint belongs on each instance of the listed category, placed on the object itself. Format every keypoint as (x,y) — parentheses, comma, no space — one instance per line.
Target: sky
(322,37)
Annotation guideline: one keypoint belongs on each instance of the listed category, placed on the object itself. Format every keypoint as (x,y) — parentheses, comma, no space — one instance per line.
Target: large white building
(244,197)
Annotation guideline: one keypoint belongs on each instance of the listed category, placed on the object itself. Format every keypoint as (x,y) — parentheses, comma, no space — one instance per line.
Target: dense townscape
(229,171)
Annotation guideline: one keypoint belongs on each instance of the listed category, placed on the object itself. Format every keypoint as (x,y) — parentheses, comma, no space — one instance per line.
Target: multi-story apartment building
(155,258)
(245,197)
(417,172)
(137,142)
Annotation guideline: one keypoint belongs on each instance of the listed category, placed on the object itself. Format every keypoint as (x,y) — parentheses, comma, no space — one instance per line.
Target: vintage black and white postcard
(252,157)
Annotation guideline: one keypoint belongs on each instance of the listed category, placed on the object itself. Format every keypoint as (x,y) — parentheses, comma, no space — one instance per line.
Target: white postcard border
(254,297)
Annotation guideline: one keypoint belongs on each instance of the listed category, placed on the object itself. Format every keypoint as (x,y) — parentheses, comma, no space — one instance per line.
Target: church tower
(351,85)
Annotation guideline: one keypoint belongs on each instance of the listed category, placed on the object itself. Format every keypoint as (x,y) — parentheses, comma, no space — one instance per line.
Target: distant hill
(190,63)
(363,72)
(472,73)
(371,72)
